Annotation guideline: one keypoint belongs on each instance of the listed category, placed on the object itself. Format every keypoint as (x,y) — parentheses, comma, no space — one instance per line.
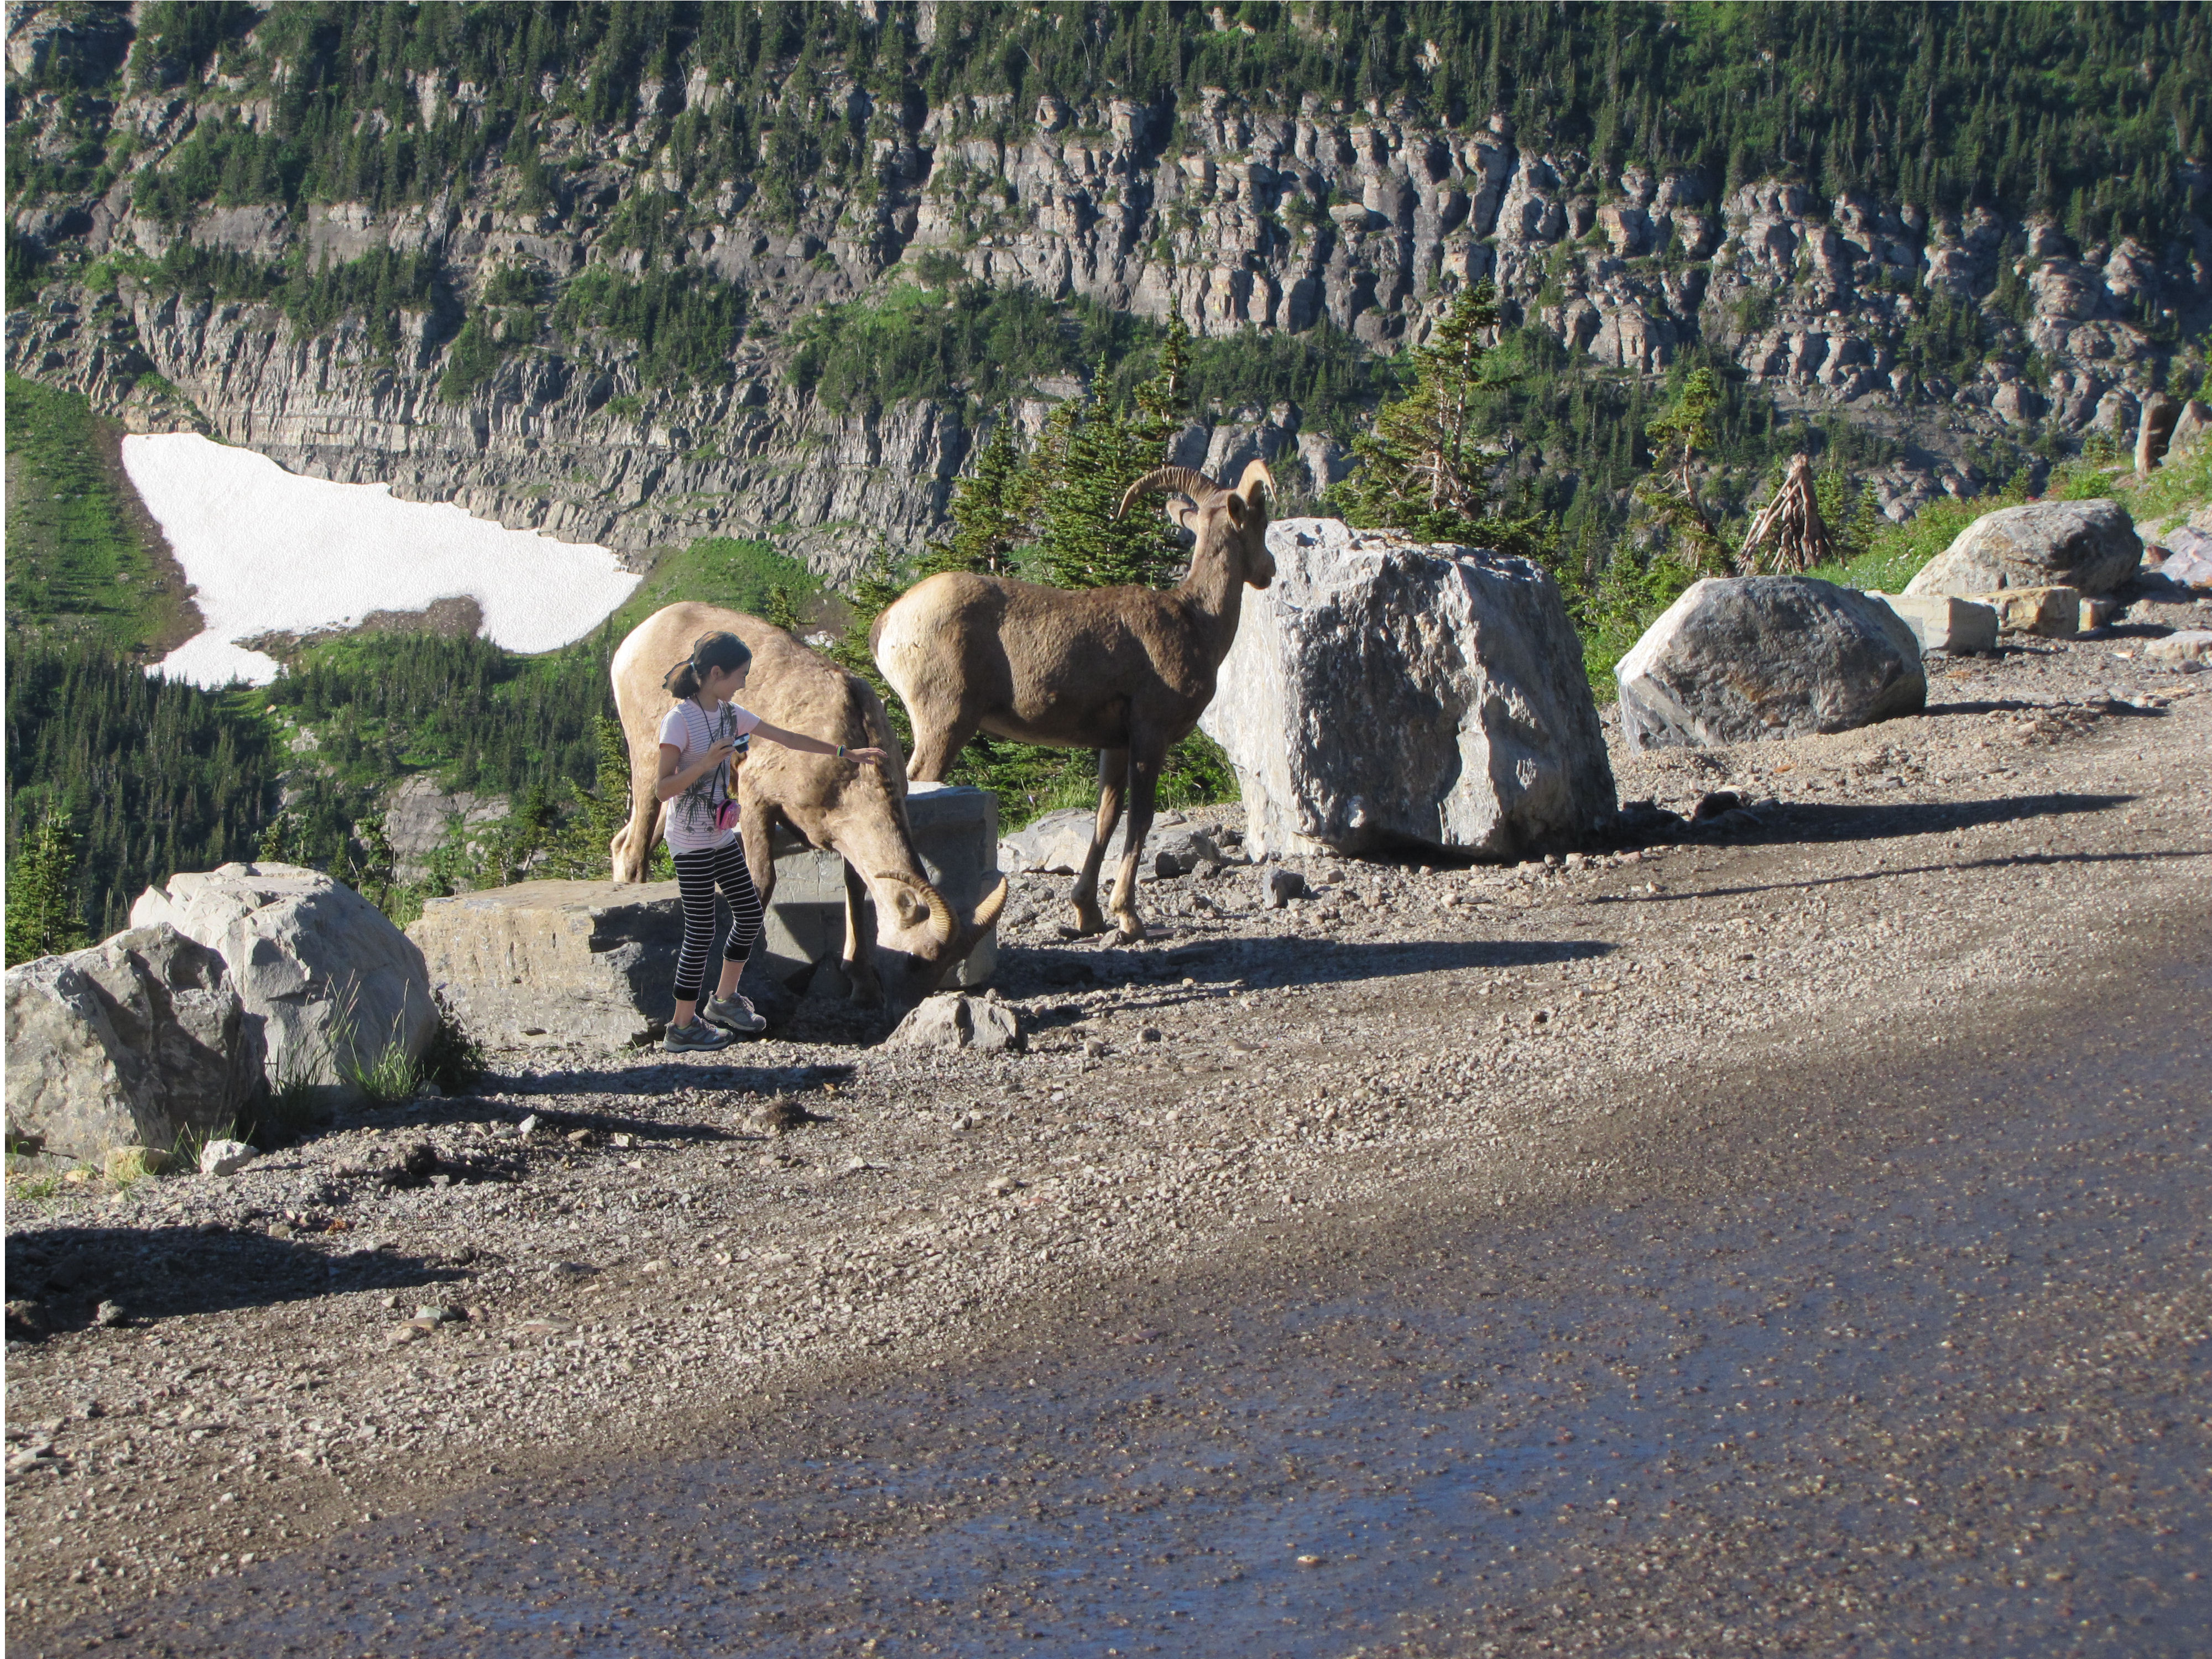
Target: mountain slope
(555,264)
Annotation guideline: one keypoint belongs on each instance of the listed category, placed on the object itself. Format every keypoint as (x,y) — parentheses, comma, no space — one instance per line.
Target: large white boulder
(1738,657)
(128,1043)
(1385,694)
(2089,545)
(336,986)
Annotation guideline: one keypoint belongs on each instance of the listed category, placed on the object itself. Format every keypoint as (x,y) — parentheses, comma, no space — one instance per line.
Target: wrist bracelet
(840,751)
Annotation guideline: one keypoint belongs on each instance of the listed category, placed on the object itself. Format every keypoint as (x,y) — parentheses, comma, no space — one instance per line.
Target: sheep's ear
(1183,511)
(1233,504)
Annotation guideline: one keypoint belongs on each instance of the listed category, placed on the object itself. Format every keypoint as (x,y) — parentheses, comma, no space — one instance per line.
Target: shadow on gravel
(1282,959)
(58,1278)
(1891,871)
(646,1077)
(1811,821)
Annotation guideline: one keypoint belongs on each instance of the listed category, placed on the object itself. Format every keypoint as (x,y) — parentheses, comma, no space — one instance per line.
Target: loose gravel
(601,1251)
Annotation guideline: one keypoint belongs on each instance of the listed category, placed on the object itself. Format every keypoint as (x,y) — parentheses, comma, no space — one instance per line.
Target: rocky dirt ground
(600,1252)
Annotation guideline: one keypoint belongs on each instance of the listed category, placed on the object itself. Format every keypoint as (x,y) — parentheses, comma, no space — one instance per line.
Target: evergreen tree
(989,511)
(43,917)
(579,851)
(1682,433)
(1080,475)
(1424,468)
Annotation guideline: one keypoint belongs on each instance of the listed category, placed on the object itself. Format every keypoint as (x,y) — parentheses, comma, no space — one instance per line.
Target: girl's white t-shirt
(690,730)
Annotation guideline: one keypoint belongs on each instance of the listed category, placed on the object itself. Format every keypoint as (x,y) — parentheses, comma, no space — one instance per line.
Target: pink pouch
(725,817)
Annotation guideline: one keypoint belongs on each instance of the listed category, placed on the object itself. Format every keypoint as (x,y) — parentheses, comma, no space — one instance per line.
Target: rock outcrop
(336,987)
(1741,658)
(1385,694)
(2089,546)
(1231,214)
(128,1044)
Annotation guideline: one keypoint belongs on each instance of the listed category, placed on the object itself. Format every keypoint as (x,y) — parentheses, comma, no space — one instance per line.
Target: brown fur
(1125,671)
(855,809)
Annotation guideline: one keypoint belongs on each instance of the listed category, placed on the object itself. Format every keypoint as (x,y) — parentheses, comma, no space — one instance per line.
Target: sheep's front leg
(860,963)
(1113,774)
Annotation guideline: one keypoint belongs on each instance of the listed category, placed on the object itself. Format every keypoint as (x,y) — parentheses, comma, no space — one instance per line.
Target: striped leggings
(697,875)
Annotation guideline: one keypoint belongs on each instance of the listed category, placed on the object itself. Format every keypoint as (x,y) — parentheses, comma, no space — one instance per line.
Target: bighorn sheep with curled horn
(1125,671)
(901,950)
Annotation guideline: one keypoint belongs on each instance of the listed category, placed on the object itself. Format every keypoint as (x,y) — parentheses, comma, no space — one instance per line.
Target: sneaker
(697,1037)
(734,1015)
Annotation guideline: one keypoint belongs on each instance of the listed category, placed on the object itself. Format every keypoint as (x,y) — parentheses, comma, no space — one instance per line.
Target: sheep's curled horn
(1190,482)
(1186,480)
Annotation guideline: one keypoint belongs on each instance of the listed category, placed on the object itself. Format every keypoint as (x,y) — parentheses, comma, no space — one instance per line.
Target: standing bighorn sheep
(1125,671)
(857,811)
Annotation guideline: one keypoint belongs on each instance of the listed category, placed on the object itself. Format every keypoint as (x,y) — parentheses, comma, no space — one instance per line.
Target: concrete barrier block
(1941,622)
(955,834)
(595,961)
(2054,613)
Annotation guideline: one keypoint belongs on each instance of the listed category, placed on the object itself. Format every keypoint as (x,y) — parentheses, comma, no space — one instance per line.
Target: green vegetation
(750,576)
(2086,112)
(685,323)
(1424,469)
(43,919)
(991,343)
(153,776)
(79,563)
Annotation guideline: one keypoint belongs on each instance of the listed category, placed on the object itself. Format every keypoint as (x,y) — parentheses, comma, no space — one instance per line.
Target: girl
(698,740)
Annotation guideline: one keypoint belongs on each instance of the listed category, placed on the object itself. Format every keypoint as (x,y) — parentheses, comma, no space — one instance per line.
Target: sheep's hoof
(1128,930)
(1087,923)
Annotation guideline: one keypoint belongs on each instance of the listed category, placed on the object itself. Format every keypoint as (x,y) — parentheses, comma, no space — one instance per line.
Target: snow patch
(268,551)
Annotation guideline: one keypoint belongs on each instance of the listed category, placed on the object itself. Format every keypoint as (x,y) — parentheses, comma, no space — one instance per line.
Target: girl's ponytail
(683,680)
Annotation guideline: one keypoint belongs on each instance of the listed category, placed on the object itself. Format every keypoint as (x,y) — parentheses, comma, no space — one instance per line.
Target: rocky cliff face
(1238,218)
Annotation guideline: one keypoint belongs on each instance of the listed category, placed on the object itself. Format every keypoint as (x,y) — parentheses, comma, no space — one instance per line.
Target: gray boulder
(128,1043)
(1384,694)
(1739,658)
(1053,844)
(2088,545)
(336,986)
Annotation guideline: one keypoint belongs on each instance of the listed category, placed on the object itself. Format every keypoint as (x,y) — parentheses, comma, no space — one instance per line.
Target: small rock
(223,1157)
(2189,650)
(1150,1034)
(1281,887)
(1001,1186)
(25,1316)
(427,1090)
(529,1125)
(441,1313)
(624,1142)
(109,1314)
(578,1137)
(398,1336)
(949,1020)
(1094,1049)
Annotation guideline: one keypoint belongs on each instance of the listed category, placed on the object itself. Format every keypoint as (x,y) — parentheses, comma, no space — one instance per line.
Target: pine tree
(1423,469)
(43,916)
(1682,433)
(1085,467)
(989,511)
(579,851)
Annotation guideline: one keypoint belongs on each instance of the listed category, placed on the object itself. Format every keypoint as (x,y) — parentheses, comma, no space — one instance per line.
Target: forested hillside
(685,279)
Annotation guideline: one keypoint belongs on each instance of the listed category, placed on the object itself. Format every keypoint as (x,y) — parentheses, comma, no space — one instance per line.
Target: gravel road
(683,1260)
